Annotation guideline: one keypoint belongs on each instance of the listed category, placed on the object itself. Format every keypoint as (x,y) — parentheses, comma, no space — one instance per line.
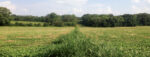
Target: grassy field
(29,36)
(129,40)
(82,42)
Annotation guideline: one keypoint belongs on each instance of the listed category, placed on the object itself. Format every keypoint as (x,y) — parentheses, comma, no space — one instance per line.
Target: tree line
(51,19)
(93,20)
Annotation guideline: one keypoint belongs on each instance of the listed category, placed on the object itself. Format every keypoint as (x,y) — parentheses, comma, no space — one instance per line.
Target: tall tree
(129,20)
(91,20)
(115,21)
(143,18)
(54,19)
(4,16)
(69,18)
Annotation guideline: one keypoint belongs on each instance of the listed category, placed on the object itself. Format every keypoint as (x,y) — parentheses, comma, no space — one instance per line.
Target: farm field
(130,40)
(38,41)
(29,36)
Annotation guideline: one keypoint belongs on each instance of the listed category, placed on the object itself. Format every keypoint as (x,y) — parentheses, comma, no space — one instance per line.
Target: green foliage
(91,20)
(108,20)
(30,24)
(28,18)
(52,19)
(69,18)
(70,23)
(65,20)
(27,23)
(143,19)
(4,16)
(19,24)
(45,24)
(129,20)
(38,25)
(58,23)
(102,20)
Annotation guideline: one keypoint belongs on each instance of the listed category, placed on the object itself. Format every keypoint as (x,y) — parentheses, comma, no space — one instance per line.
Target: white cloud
(136,1)
(14,9)
(8,5)
(147,1)
(143,9)
(72,2)
(99,9)
(25,10)
(93,9)
(77,7)
(109,10)
(139,1)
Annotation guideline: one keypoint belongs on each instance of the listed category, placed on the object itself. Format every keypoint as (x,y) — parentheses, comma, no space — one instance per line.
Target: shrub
(45,24)
(69,23)
(19,24)
(30,24)
(39,24)
(59,24)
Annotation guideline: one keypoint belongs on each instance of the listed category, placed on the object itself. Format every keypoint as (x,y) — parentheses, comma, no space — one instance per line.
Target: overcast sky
(77,7)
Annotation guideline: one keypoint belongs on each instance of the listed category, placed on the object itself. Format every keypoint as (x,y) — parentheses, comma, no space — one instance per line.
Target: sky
(77,7)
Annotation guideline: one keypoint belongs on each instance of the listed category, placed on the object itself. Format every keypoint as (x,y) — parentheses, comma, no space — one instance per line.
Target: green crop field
(75,42)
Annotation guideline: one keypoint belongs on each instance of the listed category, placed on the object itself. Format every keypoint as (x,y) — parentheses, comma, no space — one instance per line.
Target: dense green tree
(91,20)
(28,18)
(69,18)
(4,16)
(39,24)
(105,20)
(95,20)
(108,20)
(45,24)
(129,20)
(115,21)
(143,19)
(86,20)
(54,19)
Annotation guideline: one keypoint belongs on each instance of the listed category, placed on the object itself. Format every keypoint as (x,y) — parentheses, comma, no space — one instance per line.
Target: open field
(29,36)
(133,40)
(111,42)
